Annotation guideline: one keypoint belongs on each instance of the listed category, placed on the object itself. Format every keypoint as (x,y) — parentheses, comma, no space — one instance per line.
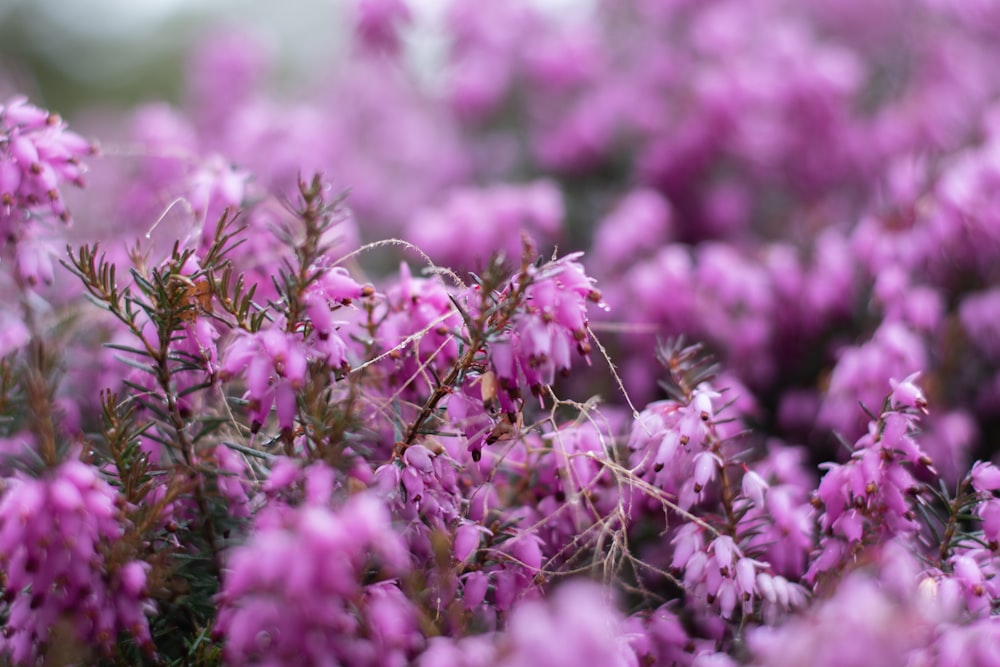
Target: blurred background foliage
(71,55)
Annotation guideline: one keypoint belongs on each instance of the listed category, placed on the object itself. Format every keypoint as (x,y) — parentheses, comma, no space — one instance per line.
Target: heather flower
(14,334)
(224,74)
(332,289)
(299,589)
(974,644)
(482,57)
(659,637)
(552,324)
(869,498)
(274,363)
(467,540)
(755,488)
(782,535)
(575,497)
(718,574)
(473,422)
(985,476)
(670,439)
(474,651)
(919,306)
(894,615)
(861,374)
(493,221)
(37,154)
(641,221)
(859,626)
(422,488)
(718,294)
(379,22)
(906,394)
(33,253)
(55,539)
(211,190)
(978,316)
(418,320)
(579,614)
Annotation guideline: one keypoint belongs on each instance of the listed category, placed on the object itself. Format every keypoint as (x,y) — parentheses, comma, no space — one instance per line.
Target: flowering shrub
(690,357)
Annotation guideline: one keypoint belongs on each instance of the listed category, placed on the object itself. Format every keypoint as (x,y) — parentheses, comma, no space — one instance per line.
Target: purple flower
(985,476)
(379,22)
(641,221)
(907,394)
(274,363)
(493,221)
(56,533)
(755,488)
(467,539)
(38,154)
(297,590)
(553,323)
(580,616)
(869,498)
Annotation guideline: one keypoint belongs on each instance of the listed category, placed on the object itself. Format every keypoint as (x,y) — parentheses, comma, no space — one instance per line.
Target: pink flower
(54,531)
(989,514)
(275,365)
(706,466)
(37,154)
(379,22)
(467,539)
(578,614)
(296,581)
(907,393)
(985,477)
(754,487)
(554,322)
(14,334)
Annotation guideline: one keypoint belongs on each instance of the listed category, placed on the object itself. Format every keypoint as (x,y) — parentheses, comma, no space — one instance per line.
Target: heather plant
(659,334)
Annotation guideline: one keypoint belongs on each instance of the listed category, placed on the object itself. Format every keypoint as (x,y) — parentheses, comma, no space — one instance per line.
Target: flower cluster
(295,422)
(867,498)
(61,586)
(543,339)
(39,154)
(575,627)
(297,592)
(493,221)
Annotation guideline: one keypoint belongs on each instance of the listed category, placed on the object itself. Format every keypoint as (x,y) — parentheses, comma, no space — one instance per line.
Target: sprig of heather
(743,527)
(516,334)
(38,156)
(871,498)
(160,444)
(63,590)
(296,360)
(318,583)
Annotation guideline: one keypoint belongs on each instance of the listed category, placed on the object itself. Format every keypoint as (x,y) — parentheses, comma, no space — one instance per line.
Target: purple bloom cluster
(577,626)
(38,155)
(543,339)
(327,407)
(297,591)
(57,541)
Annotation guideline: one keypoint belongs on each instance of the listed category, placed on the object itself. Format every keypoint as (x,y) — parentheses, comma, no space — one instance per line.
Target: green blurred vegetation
(116,53)
(71,71)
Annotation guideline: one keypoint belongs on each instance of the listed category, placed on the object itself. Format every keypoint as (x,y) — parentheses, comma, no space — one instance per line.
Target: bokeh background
(75,54)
